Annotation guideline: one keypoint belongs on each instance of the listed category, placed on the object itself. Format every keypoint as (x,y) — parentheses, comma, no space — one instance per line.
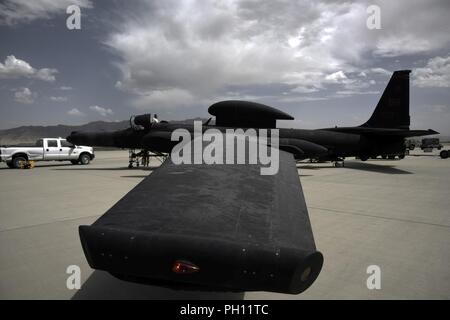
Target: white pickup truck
(47,149)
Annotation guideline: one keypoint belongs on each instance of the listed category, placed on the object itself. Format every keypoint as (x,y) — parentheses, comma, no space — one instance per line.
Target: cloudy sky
(316,60)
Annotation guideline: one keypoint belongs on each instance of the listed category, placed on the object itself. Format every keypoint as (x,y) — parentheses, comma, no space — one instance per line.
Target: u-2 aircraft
(227,227)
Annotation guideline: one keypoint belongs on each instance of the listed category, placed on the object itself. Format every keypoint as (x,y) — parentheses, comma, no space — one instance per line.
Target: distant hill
(26,134)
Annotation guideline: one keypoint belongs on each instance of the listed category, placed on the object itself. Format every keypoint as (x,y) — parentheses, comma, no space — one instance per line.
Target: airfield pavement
(393,214)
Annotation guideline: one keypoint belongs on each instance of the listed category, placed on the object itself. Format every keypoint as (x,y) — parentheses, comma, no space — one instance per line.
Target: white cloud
(305,89)
(14,68)
(164,99)
(436,73)
(411,27)
(301,99)
(336,77)
(65,88)
(46,74)
(75,112)
(440,108)
(393,45)
(102,111)
(17,11)
(58,99)
(355,92)
(24,96)
(381,71)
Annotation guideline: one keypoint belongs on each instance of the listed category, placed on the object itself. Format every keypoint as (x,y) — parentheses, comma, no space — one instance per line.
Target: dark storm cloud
(188,52)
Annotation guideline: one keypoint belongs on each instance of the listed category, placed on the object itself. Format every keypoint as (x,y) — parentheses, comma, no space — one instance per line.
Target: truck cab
(59,149)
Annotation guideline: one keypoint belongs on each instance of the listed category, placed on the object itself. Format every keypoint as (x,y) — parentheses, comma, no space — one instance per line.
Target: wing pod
(246,114)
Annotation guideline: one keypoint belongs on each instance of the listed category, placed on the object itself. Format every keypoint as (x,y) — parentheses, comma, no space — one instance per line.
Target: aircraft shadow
(43,166)
(364,166)
(103,286)
(138,176)
(423,155)
(149,168)
(311,166)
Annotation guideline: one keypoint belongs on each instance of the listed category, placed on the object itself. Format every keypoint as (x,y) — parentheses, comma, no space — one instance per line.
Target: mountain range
(29,134)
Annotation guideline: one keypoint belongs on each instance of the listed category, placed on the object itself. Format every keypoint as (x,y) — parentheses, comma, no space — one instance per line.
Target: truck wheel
(363,158)
(444,154)
(391,157)
(412,147)
(74,161)
(85,158)
(19,162)
(10,164)
(402,156)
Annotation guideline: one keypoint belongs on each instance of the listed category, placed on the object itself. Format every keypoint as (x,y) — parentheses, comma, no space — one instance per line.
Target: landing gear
(142,158)
(339,162)
(138,158)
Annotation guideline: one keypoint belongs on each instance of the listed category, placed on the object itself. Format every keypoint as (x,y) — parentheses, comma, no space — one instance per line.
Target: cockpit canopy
(143,121)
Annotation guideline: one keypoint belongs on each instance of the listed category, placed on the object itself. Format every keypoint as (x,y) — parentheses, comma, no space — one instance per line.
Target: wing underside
(242,230)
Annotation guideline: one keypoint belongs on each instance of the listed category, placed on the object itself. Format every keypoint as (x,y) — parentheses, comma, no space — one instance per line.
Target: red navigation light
(184,267)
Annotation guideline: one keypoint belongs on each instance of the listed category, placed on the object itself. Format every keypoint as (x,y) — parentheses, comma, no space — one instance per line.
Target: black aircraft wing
(209,227)
(404,133)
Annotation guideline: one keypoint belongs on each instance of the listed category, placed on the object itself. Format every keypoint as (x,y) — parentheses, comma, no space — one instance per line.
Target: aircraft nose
(74,137)
(100,139)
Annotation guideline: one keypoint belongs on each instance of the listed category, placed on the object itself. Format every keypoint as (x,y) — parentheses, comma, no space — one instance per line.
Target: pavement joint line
(101,176)
(380,217)
(47,223)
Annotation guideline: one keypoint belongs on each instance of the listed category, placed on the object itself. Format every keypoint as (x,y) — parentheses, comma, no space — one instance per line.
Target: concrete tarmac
(392,214)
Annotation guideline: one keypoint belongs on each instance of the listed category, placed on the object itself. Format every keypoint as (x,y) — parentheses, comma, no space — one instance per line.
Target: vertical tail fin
(392,110)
